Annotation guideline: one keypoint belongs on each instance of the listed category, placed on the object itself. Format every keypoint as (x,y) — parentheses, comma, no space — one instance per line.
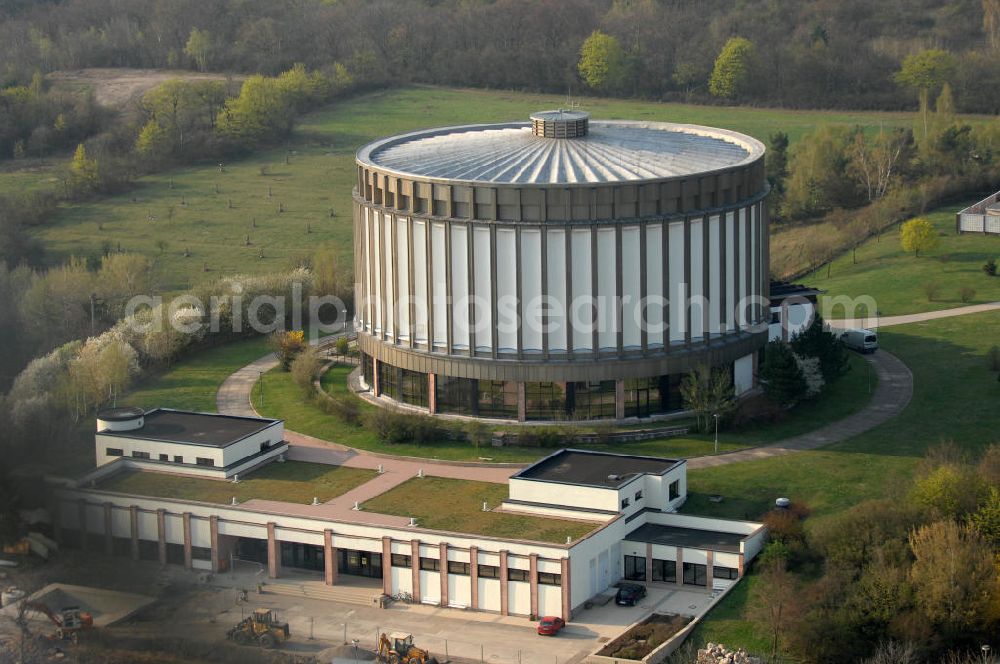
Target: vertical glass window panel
(421,303)
(581,309)
(697,280)
(741,247)
(544,401)
(531,290)
(715,276)
(460,287)
(390,287)
(507,322)
(439,285)
(654,305)
(631,288)
(377,253)
(677,291)
(484,288)
(607,288)
(403,265)
(496,398)
(729,318)
(367,303)
(754,287)
(556,290)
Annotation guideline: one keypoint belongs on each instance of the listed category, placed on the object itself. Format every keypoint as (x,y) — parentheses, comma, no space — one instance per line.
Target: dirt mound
(116,88)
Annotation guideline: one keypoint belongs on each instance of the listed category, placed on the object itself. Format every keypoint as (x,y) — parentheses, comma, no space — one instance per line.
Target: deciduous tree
(918,235)
(602,62)
(732,72)
(708,392)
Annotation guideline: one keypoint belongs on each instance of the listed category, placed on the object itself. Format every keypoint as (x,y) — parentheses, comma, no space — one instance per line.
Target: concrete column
(533,582)
(161,535)
(133,515)
(387,565)
(680,566)
(329,559)
(649,562)
(415,565)
(273,552)
(708,570)
(567,599)
(620,399)
(187,540)
(443,571)
(474,576)
(376,387)
(504,594)
(741,566)
(213,534)
(432,402)
(109,544)
(784,321)
(82,507)
(522,410)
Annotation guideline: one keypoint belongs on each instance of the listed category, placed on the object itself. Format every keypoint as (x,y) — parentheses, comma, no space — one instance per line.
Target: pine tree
(83,170)
(815,341)
(780,375)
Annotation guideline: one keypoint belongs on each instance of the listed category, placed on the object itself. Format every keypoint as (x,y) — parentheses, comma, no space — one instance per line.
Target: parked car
(861,340)
(550,625)
(629,594)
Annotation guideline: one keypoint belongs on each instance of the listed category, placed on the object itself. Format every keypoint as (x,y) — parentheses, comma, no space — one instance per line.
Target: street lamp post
(716,416)
(260,379)
(986,653)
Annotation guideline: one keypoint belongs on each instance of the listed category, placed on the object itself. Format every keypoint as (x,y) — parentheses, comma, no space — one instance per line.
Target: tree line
(795,53)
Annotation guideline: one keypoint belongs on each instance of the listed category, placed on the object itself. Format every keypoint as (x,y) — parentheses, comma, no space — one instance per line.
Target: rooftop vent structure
(123,418)
(560,124)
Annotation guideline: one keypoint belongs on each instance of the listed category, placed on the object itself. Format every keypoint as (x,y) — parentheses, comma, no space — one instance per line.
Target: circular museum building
(560,268)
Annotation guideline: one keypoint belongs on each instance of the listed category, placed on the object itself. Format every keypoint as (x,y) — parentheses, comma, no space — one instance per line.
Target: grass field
(191,384)
(284,400)
(955,396)
(173,212)
(290,482)
(897,280)
(422,498)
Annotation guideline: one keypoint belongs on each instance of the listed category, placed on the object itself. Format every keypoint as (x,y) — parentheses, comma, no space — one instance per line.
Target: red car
(550,625)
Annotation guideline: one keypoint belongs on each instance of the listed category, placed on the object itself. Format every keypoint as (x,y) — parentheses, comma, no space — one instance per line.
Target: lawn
(211,214)
(897,280)
(290,482)
(191,383)
(284,400)
(422,498)
(955,397)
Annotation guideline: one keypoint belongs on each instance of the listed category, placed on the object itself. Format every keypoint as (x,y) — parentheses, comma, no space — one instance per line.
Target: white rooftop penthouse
(185,442)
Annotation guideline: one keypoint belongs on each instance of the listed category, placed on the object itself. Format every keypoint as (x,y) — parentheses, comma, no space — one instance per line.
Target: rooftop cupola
(560,123)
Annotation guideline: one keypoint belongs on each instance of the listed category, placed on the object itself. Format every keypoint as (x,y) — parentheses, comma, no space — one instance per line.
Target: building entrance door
(359,563)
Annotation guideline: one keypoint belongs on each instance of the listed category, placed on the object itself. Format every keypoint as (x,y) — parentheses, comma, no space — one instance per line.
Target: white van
(861,340)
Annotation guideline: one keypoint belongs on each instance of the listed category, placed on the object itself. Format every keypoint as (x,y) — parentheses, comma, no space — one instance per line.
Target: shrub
(990,267)
(932,290)
(342,345)
(993,357)
(286,345)
(394,427)
(304,368)
(345,408)
(966,294)
(758,409)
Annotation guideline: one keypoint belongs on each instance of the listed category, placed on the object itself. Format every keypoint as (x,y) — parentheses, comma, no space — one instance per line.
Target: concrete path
(892,394)
(888,321)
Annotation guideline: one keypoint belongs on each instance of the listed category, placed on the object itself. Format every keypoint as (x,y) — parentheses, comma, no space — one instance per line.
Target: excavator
(398,648)
(70,621)
(260,627)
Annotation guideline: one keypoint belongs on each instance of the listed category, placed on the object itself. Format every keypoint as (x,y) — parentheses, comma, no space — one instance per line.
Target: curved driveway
(892,394)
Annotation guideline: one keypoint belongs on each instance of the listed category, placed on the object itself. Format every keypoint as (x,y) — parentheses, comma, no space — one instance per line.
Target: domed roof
(609,151)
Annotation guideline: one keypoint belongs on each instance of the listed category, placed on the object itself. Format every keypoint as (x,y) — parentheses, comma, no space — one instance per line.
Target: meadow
(268,210)
(899,281)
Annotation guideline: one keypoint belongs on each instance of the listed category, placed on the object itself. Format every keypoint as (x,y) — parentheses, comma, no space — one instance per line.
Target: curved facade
(558,268)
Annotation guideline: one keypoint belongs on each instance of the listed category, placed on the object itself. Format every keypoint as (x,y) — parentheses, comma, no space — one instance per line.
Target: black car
(629,593)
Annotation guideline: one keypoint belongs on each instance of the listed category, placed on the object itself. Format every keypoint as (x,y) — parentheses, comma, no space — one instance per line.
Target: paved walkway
(888,321)
(892,394)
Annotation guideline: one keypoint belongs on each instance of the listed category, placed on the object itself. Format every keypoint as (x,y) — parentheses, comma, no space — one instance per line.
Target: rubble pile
(716,653)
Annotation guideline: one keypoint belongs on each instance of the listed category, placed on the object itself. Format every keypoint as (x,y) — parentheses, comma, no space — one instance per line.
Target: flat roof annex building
(624,509)
(561,268)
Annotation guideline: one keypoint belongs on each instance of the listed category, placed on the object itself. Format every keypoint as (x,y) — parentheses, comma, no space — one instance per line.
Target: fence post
(446,658)
(482,654)
(345,634)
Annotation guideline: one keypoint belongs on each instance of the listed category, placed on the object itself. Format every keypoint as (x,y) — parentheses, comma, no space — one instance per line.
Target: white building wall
(430,587)
(743,374)
(402,579)
(553,493)
(519,598)
(489,594)
(549,600)
(459,590)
